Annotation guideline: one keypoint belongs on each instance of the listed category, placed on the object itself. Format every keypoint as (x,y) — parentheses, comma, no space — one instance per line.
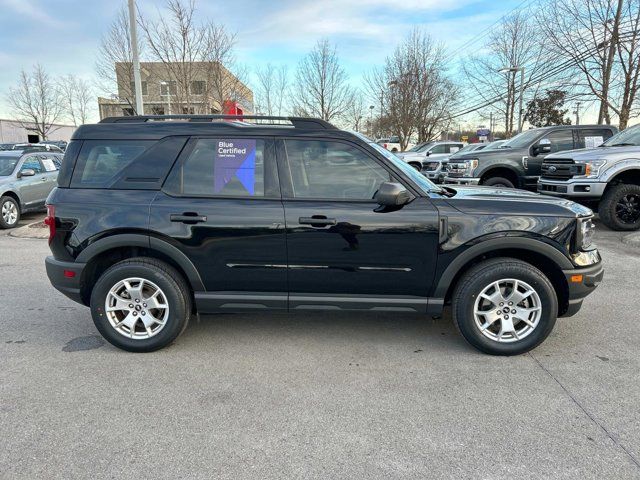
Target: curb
(632,239)
(27,232)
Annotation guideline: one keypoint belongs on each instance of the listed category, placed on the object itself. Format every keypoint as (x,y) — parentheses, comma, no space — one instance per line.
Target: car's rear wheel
(498,182)
(9,212)
(504,306)
(619,208)
(141,304)
(416,165)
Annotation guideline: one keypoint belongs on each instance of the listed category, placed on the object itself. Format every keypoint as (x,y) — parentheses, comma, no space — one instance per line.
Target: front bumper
(59,274)
(582,282)
(461,180)
(571,188)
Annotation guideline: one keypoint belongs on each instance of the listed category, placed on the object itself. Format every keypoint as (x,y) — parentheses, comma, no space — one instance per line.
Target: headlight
(584,233)
(470,166)
(592,169)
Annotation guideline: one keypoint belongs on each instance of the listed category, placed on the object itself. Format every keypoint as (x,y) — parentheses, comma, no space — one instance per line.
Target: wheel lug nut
(513,311)
(137,300)
(143,313)
(501,303)
(510,303)
(506,317)
(135,314)
(131,305)
(144,305)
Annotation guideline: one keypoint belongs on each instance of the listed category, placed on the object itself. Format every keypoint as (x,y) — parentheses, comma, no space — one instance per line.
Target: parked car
(152,222)
(25,182)
(6,146)
(518,161)
(607,177)
(428,152)
(36,147)
(435,168)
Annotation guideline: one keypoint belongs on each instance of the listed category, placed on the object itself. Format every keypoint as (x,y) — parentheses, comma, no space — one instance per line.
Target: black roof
(153,127)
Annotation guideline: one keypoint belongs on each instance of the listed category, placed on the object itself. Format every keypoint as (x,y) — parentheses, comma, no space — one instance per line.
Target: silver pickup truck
(607,176)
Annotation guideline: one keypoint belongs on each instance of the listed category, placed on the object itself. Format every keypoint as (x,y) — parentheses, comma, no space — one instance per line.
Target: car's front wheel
(9,212)
(141,304)
(504,306)
(620,207)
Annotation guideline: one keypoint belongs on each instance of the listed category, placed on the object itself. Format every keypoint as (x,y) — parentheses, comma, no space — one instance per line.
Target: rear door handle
(317,221)
(187,217)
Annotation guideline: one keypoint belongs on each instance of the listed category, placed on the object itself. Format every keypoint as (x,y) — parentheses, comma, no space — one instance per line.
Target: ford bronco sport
(156,219)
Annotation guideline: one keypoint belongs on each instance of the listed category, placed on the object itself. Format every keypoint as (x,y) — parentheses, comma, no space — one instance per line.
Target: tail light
(385,146)
(50,221)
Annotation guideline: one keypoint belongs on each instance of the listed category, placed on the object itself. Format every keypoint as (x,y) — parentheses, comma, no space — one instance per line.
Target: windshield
(629,136)
(521,140)
(471,147)
(496,144)
(421,147)
(7,165)
(423,182)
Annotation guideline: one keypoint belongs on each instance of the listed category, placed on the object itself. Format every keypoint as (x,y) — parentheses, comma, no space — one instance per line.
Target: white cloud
(32,11)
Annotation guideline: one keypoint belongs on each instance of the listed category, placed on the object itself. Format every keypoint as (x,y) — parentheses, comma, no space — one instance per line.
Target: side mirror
(27,172)
(429,153)
(543,146)
(391,194)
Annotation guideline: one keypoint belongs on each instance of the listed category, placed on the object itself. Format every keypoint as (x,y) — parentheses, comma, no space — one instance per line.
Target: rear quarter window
(125,164)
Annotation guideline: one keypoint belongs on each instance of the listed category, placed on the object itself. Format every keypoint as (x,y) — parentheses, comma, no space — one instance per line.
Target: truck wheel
(9,212)
(417,166)
(140,304)
(620,207)
(504,306)
(498,182)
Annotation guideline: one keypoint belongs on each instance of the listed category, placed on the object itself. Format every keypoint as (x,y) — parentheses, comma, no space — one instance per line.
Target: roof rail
(304,123)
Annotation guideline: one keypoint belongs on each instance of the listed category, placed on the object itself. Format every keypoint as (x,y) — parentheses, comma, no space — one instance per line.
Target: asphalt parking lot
(316,396)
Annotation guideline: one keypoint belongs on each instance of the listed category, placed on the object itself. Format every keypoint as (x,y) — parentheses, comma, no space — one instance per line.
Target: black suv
(517,163)
(154,221)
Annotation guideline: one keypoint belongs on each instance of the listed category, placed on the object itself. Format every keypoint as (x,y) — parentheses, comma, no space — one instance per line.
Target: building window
(144,88)
(168,88)
(127,112)
(157,110)
(188,110)
(198,87)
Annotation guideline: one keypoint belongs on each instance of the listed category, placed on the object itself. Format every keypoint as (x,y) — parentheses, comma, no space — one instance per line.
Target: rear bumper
(59,276)
(571,188)
(582,282)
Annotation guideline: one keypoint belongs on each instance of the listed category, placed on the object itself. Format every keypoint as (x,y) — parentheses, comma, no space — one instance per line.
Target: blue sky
(63,35)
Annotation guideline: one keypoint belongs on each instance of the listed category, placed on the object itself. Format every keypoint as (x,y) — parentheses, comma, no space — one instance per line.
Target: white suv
(422,153)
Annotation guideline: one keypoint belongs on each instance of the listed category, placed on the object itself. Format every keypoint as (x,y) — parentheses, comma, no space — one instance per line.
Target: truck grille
(561,169)
(430,166)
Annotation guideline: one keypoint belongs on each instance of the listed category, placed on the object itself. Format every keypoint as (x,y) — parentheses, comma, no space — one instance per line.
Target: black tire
(612,207)
(498,182)
(173,286)
(9,200)
(417,166)
(473,282)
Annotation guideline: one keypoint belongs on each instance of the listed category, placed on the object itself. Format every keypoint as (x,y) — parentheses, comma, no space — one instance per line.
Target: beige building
(178,88)
(13,131)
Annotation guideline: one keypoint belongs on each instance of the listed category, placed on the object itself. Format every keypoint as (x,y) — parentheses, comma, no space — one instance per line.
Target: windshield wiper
(622,144)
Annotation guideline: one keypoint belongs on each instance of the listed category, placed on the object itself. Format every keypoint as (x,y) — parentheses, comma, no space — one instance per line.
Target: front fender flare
(537,246)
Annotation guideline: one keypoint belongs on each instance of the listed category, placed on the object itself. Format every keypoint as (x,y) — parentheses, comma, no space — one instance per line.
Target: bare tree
(321,87)
(115,52)
(513,44)
(356,112)
(190,51)
(77,97)
(35,101)
(271,89)
(412,87)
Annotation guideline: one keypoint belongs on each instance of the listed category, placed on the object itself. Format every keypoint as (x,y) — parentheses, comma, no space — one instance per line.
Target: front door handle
(187,217)
(317,221)
(43,179)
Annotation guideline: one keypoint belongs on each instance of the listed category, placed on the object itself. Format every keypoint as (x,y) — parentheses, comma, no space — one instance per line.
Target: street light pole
(168,85)
(521,70)
(137,82)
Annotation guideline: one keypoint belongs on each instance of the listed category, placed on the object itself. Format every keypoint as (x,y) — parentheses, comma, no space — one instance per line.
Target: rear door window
(560,140)
(101,161)
(590,138)
(226,167)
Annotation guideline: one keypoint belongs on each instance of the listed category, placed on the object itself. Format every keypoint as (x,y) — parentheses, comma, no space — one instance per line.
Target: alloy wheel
(628,208)
(9,212)
(507,310)
(137,308)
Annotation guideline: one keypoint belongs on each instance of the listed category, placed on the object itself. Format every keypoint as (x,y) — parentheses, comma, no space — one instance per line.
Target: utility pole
(577,112)
(136,60)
